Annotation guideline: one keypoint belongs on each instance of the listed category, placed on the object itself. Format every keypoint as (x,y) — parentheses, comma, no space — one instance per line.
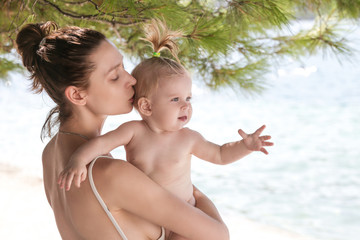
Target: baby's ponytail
(162,38)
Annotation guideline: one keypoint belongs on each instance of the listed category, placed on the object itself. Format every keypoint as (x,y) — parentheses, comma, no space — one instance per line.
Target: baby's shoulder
(190,136)
(189,132)
(135,126)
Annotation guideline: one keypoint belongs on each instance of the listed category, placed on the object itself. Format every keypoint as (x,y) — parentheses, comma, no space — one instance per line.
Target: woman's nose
(131,81)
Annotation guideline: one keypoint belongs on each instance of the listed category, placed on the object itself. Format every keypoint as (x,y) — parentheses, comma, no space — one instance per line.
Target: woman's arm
(206,205)
(123,186)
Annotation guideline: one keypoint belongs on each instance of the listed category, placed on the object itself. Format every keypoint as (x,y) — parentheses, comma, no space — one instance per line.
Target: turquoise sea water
(310,181)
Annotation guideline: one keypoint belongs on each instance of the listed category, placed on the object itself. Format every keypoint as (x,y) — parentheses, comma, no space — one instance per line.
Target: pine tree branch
(96,17)
(11,30)
(215,36)
(77,3)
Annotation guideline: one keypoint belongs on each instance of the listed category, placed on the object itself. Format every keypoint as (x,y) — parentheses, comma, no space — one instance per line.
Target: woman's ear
(75,95)
(144,106)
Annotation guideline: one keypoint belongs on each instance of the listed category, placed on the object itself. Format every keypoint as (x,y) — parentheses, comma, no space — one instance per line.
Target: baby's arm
(233,151)
(75,170)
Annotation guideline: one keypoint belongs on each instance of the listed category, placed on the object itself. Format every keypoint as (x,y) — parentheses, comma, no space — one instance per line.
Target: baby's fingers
(264,151)
(242,133)
(259,131)
(68,181)
(78,178)
(62,180)
(268,144)
(83,176)
(264,138)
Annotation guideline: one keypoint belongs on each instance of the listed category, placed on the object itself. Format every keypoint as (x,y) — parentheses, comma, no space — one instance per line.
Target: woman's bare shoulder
(114,171)
(119,182)
(49,148)
(105,165)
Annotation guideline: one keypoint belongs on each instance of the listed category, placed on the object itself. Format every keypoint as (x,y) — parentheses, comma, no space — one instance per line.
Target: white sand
(26,214)
(244,229)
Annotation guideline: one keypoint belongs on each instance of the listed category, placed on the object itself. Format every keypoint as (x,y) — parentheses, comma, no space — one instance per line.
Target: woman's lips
(132,99)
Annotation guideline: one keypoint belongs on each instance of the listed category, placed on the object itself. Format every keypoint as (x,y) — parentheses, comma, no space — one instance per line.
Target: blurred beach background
(309,184)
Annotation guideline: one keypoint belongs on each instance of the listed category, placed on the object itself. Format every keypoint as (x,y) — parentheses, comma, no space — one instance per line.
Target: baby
(159,144)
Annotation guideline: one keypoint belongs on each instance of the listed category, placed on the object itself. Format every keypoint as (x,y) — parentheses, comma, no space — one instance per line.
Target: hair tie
(42,42)
(156,54)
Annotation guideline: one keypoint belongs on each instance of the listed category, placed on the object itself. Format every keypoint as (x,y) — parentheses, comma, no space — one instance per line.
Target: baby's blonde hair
(148,72)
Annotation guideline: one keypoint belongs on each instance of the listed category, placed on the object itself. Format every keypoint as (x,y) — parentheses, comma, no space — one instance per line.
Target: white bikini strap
(102,203)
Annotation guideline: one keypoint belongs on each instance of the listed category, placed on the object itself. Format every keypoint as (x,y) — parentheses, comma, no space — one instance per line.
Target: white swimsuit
(102,203)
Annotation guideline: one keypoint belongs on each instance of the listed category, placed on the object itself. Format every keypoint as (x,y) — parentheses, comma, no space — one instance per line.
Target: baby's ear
(144,106)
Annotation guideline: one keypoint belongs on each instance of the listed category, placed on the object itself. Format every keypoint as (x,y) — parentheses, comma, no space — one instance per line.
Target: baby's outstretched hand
(72,172)
(254,141)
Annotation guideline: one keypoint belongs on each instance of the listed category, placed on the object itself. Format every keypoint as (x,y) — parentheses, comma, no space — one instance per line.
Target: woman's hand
(73,171)
(254,141)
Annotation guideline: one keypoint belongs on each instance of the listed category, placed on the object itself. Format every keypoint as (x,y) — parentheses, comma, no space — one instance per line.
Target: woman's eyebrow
(112,68)
(121,63)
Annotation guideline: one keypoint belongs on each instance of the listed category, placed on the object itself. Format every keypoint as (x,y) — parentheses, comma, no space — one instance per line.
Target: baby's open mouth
(183,118)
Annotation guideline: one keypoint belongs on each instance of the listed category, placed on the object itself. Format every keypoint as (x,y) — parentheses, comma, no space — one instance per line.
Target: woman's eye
(175,99)
(114,79)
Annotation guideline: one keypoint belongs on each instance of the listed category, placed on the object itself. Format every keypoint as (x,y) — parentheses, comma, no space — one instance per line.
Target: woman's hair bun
(31,51)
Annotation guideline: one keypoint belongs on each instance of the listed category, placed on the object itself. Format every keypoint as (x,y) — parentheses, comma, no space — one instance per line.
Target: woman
(83,73)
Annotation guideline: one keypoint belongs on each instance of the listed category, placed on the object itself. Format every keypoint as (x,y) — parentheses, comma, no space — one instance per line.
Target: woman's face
(110,91)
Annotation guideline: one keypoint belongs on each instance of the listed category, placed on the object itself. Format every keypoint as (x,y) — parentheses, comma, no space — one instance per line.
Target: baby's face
(171,106)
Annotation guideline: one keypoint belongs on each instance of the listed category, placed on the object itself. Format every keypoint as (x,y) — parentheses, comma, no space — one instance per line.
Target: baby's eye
(175,99)
(188,99)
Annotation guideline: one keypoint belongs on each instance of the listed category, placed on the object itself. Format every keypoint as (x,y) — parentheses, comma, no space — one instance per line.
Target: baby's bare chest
(160,151)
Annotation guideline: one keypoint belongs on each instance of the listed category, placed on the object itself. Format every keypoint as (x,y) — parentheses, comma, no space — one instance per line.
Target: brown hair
(148,72)
(57,58)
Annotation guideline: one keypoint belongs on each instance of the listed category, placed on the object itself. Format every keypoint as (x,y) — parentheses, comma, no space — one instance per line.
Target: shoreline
(33,218)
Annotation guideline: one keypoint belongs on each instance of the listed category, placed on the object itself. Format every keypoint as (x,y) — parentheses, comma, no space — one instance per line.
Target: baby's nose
(185,106)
